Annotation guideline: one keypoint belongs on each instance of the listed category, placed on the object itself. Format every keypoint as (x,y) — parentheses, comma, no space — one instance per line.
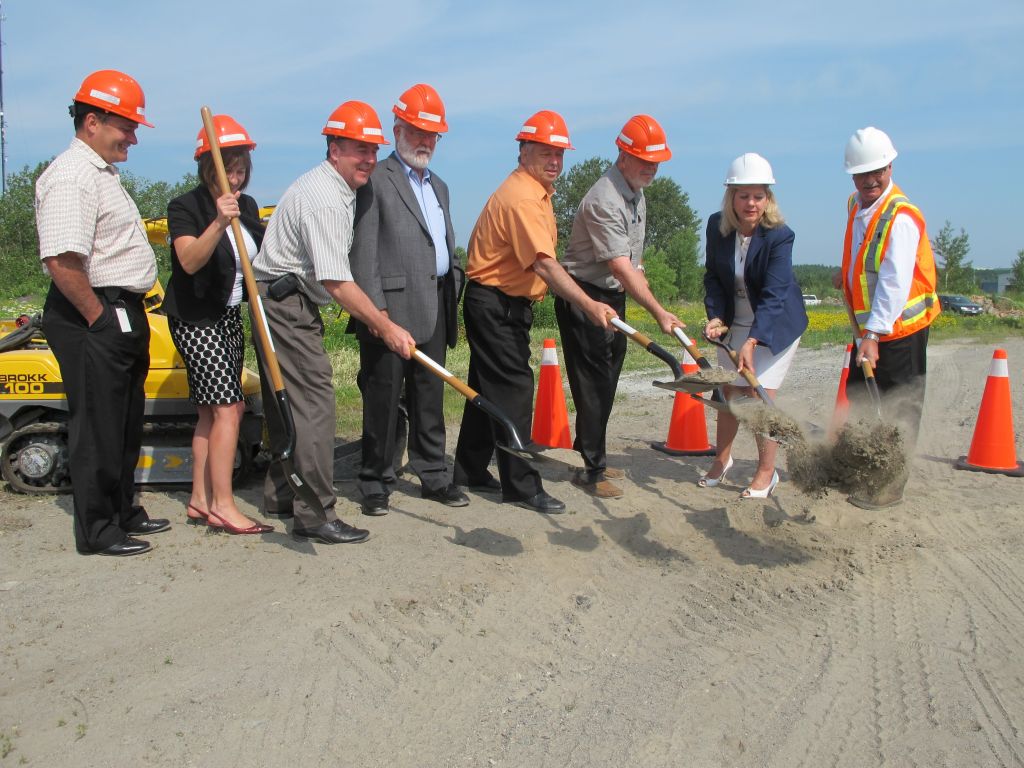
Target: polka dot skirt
(213,358)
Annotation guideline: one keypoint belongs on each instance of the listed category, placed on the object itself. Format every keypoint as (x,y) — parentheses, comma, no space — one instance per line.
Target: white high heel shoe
(764,493)
(711,482)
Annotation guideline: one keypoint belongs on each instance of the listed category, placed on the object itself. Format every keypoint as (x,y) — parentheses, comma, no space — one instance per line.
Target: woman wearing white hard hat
(749,288)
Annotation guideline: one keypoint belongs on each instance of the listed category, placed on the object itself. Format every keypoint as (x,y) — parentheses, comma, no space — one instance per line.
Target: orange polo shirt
(516,225)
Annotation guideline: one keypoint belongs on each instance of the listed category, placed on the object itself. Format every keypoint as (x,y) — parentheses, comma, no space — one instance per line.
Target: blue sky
(790,80)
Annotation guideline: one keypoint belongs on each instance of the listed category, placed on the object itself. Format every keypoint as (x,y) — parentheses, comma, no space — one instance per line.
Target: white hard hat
(868,150)
(750,168)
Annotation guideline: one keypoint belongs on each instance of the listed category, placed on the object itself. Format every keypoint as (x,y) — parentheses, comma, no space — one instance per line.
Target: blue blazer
(779,314)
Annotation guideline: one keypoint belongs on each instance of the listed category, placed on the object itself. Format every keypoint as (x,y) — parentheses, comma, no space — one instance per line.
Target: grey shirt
(610,222)
(310,233)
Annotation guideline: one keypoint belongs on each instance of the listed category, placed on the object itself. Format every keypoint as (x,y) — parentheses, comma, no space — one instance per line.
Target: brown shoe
(610,473)
(602,488)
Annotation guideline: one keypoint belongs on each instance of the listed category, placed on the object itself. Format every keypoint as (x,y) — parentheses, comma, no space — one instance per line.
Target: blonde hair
(771,218)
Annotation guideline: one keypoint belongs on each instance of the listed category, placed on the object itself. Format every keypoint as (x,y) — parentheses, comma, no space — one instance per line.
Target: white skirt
(770,369)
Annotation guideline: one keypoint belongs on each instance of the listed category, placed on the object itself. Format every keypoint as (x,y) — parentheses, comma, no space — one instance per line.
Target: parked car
(810,300)
(959,304)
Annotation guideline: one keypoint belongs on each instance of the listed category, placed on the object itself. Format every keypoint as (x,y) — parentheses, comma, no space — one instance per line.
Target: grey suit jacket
(393,257)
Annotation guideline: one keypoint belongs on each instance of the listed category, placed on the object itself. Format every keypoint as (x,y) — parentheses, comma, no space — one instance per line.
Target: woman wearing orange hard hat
(203,306)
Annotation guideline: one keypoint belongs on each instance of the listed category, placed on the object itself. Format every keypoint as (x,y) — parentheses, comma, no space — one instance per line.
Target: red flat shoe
(219,524)
(200,518)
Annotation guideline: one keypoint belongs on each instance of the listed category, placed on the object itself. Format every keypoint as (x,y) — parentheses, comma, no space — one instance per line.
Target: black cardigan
(201,298)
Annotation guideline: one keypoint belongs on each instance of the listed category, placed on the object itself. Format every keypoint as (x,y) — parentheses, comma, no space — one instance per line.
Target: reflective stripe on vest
(922,305)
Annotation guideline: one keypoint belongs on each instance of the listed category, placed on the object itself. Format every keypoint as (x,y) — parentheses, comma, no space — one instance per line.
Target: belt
(610,293)
(113,293)
(517,299)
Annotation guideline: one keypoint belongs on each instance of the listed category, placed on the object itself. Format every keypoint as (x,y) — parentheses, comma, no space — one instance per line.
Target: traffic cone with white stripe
(688,430)
(993,448)
(842,409)
(550,413)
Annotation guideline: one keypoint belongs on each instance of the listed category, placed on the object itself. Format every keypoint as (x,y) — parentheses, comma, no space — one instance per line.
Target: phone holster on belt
(283,287)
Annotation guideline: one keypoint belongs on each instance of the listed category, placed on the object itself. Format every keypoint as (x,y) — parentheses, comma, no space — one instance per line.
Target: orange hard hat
(546,127)
(230,133)
(114,92)
(422,107)
(355,120)
(643,137)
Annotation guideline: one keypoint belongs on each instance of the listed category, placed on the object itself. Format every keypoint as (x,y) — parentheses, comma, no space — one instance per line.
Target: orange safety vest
(922,305)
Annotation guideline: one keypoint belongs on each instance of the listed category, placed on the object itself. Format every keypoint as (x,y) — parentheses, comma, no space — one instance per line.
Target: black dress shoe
(488,485)
(334,532)
(147,527)
(124,548)
(543,502)
(450,496)
(375,504)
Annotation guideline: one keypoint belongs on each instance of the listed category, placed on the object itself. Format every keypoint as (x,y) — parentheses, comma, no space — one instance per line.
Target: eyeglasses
(421,135)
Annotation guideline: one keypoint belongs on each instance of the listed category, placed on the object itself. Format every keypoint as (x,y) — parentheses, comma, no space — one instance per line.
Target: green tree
(570,188)
(1017,284)
(683,256)
(668,212)
(660,276)
(956,273)
(19,242)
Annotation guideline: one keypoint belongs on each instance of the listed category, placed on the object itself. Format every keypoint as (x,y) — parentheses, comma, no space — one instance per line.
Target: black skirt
(213,358)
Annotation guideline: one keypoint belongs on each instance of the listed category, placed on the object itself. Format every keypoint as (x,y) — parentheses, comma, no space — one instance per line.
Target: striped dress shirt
(310,233)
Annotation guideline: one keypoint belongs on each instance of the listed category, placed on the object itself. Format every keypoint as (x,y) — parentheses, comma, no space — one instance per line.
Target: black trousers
(593,362)
(900,373)
(498,332)
(104,371)
(382,376)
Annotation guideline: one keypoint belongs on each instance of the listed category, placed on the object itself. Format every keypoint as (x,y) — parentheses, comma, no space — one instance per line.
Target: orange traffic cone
(550,413)
(842,409)
(688,430)
(993,447)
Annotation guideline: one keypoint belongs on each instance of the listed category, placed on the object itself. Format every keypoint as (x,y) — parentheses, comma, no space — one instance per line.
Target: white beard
(417,158)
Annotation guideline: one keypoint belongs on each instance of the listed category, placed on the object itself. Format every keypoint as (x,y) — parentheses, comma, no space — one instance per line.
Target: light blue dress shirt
(432,212)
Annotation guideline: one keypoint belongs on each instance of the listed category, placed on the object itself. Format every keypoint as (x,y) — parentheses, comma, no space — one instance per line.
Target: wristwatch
(870,335)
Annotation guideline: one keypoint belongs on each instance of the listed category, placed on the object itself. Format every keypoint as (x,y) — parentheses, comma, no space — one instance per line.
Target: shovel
(681,382)
(717,399)
(266,345)
(527,452)
(869,371)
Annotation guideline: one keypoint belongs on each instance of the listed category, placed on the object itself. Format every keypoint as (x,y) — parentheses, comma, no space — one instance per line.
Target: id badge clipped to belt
(122,316)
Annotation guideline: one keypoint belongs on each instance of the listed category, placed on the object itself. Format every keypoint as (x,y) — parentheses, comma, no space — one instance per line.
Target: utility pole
(3,117)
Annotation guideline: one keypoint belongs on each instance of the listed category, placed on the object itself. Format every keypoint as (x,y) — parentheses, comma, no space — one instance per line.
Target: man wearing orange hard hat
(511,266)
(101,266)
(403,256)
(605,258)
(303,265)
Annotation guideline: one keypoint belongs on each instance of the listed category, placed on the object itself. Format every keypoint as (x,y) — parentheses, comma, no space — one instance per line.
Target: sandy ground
(673,627)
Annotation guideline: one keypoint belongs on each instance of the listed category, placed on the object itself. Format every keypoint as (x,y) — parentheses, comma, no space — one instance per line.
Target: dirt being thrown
(866,454)
(771,423)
